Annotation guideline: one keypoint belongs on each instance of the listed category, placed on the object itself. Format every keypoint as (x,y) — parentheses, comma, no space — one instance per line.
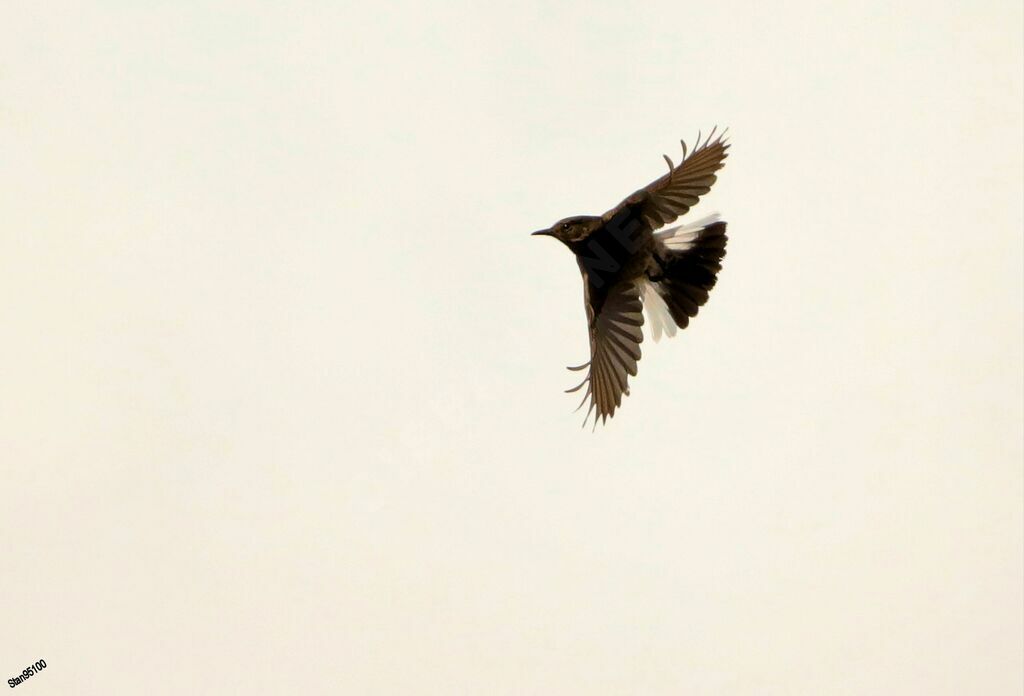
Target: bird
(632,264)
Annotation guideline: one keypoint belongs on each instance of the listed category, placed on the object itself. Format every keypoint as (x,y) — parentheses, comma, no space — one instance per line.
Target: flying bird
(631,262)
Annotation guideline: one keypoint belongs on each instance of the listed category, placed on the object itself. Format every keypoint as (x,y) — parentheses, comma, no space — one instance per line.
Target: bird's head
(571,229)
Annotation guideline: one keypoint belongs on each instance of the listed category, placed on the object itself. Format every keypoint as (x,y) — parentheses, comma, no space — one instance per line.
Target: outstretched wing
(615,337)
(664,200)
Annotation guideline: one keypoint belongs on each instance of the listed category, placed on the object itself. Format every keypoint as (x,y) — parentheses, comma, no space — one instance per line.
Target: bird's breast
(608,255)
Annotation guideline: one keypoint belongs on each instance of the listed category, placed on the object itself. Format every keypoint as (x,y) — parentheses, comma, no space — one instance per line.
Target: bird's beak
(541,232)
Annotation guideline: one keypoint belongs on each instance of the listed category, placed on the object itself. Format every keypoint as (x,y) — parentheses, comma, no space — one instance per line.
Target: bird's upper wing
(615,337)
(664,200)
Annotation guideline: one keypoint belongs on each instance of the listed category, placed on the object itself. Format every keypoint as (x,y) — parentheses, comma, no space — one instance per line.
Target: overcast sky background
(281,368)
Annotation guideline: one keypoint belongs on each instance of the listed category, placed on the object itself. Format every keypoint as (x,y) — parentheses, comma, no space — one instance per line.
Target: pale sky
(281,374)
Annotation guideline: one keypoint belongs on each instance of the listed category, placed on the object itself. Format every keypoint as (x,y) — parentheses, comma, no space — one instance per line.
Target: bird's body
(628,264)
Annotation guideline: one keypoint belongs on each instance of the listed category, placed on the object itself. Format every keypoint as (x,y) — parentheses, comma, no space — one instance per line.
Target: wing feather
(673,194)
(615,336)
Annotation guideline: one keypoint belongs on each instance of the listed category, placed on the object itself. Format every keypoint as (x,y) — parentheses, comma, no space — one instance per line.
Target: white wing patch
(682,237)
(657,312)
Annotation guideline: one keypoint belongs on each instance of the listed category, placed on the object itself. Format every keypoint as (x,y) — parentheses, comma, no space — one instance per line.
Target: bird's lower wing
(615,337)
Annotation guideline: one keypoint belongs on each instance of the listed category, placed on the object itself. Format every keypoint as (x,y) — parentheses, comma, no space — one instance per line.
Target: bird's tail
(690,257)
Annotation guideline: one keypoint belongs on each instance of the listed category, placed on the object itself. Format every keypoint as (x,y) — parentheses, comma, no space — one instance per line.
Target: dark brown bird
(629,263)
